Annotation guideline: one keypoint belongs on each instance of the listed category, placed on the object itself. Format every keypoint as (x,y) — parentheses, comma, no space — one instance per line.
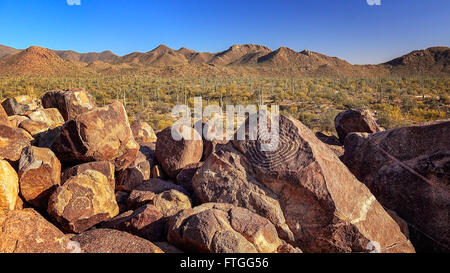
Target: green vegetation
(314,101)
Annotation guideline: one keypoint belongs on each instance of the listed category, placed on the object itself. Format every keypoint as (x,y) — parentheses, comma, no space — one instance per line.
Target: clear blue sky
(349,29)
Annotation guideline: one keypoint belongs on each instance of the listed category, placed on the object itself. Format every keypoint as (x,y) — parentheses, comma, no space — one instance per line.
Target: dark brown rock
(113,241)
(303,189)
(184,178)
(39,175)
(355,120)
(175,155)
(145,222)
(100,134)
(222,228)
(408,170)
(12,142)
(70,102)
(134,175)
(26,231)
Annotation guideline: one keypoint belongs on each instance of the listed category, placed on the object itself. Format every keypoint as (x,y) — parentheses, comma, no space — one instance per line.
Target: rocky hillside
(76,177)
(434,60)
(237,60)
(37,61)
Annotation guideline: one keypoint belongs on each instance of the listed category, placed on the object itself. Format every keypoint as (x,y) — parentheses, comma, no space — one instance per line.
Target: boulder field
(77,177)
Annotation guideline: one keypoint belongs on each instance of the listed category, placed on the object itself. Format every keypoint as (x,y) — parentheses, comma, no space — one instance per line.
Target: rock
(287,248)
(39,175)
(143,132)
(70,102)
(34,127)
(400,222)
(114,241)
(303,189)
(9,186)
(332,142)
(148,149)
(83,201)
(167,248)
(51,117)
(138,198)
(407,169)
(184,178)
(168,197)
(4,119)
(26,231)
(105,167)
(171,202)
(145,222)
(47,138)
(12,142)
(14,121)
(100,134)
(175,155)
(355,120)
(222,228)
(19,203)
(210,146)
(134,175)
(121,199)
(20,105)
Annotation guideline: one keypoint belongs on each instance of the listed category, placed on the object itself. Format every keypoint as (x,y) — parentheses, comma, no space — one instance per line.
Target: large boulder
(145,222)
(39,175)
(20,105)
(83,201)
(100,134)
(167,197)
(51,117)
(9,186)
(105,167)
(222,228)
(143,132)
(4,119)
(303,188)
(131,177)
(26,231)
(355,120)
(171,202)
(174,155)
(34,127)
(113,241)
(69,102)
(408,170)
(12,142)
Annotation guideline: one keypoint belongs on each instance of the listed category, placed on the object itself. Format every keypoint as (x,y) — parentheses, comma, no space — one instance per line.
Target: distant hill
(70,55)
(434,60)
(37,61)
(6,50)
(248,59)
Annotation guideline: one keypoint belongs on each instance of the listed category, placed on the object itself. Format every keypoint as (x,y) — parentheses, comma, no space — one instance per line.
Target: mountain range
(248,59)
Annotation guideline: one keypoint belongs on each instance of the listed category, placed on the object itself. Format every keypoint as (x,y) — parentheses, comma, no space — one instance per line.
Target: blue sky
(349,29)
